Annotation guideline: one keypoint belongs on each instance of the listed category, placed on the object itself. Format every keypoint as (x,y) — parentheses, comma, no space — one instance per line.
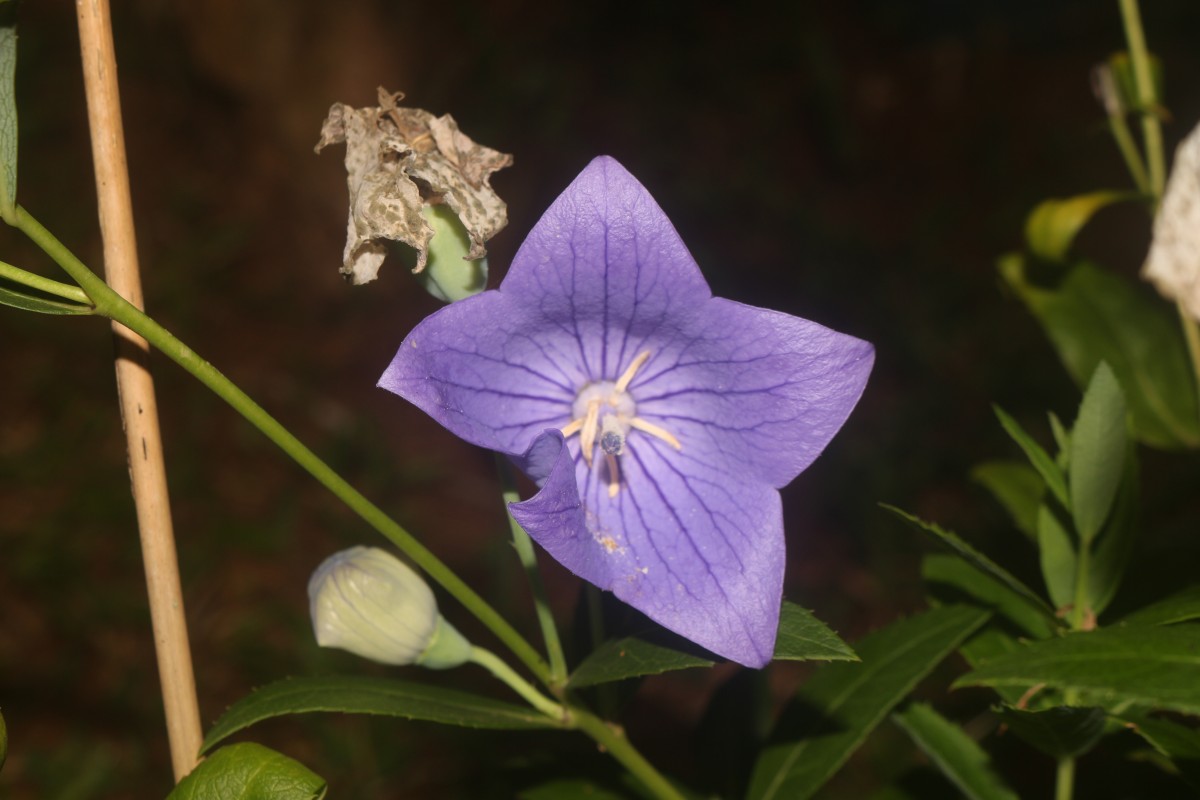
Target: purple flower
(658,421)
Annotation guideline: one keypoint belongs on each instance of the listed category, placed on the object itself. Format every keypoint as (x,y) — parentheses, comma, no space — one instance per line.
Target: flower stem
(1129,152)
(63,290)
(109,304)
(525,551)
(612,739)
(505,673)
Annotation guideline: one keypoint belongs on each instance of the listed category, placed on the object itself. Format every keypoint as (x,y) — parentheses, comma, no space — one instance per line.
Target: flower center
(603,414)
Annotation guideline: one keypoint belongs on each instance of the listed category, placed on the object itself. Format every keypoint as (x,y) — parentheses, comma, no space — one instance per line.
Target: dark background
(857,163)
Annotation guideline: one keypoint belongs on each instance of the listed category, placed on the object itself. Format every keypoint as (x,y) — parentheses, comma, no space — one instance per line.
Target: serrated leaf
(361,695)
(975,557)
(1090,316)
(249,771)
(8,114)
(1110,552)
(1015,486)
(1179,607)
(1056,554)
(835,710)
(987,644)
(984,590)
(1061,732)
(1053,224)
(801,637)
(1097,452)
(1038,457)
(42,305)
(1157,666)
(955,753)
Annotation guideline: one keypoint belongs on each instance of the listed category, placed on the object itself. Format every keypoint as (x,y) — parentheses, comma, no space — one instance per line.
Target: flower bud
(372,604)
(448,275)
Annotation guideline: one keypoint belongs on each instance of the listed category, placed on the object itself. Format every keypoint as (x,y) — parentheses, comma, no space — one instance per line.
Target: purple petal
(696,549)
(751,391)
(605,267)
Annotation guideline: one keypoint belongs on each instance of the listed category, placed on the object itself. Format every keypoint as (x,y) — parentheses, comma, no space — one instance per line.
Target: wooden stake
(139,410)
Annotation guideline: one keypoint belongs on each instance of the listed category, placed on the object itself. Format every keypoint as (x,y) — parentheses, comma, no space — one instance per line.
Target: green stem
(63,290)
(505,673)
(1128,147)
(1064,784)
(110,304)
(1083,600)
(525,551)
(1147,102)
(613,739)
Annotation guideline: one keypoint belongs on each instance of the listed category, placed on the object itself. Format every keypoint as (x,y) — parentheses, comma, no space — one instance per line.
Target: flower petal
(489,371)
(752,391)
(699,551)
(606,268)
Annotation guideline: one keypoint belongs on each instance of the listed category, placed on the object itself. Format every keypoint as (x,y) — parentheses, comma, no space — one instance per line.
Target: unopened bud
(448,275)
(370,603)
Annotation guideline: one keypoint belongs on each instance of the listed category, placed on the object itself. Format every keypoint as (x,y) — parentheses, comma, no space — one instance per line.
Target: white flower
(372,604)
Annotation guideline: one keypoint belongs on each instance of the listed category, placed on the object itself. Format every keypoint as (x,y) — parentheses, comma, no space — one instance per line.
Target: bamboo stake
(139,410)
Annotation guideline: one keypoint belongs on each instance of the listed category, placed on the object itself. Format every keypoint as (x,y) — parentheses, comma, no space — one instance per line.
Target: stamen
(614,475)
(627,376)
(572,427)
(654,430)
(587,435)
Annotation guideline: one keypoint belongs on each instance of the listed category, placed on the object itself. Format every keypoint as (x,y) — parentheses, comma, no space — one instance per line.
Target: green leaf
(1097,452)
(1110,553)
(1061,438)
(1061,732)
(42,305)
(801,637)
(1037,456)
(1090,316)
(986,591)
(835,710)
(977,558)
(1017,487)
(360,695)
(987,644)
(1179,607)
(1057,556)
(1053,224)
(570,789)
(249,772)
(1177,742)
(8,113)
(1157,666)
(955,753)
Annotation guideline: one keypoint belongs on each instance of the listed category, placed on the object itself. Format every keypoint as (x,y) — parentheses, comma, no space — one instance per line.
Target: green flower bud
(367,601)
(448,276)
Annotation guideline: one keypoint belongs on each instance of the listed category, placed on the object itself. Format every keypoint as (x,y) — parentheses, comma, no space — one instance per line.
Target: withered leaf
(399,160)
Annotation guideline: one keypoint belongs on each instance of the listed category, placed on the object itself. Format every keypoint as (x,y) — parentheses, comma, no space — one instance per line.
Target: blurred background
(858,163)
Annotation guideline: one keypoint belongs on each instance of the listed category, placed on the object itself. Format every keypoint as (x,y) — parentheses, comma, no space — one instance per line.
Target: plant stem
(1064,784)
(113,306)
(613,739)
(63,290)
(1129,152)
(505,673)
(525,551)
